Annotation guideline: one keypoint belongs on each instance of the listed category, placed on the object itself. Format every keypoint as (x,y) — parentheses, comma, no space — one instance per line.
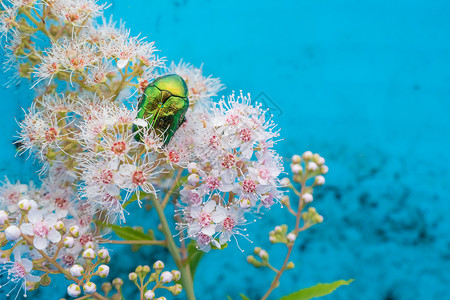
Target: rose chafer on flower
(163,105)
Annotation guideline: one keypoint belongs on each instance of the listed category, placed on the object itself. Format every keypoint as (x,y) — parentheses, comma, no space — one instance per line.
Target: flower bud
(318,159)
(324,169)
(69,241)
(285,200)
(296,159)
(103,271)
(319,180)
(307,155)
(89,245)
(285,181)
(176,289)
(307,197)
(73,290)
(176,275)
(89,254)
(296,168)
(76,270)
(193,179)
(59,225)
(12,233)
(312,166)
(161,298)
(290,265)
(74,231)
(166,277)
(192,167)
(138,269)
(257,250)
(89,287)
(132,276)
(106,287)
(103,254)
(117,282)
(263,254)
(291,237)
(245,203)
(145,270)
(158,265)
(45,280)
(149,295)
(3,217)
(25,204)
(278,229)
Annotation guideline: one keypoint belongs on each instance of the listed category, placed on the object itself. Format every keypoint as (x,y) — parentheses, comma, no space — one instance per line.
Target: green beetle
(163,105)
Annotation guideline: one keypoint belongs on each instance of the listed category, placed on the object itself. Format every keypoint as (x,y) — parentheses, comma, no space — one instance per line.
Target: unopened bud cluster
(143,276)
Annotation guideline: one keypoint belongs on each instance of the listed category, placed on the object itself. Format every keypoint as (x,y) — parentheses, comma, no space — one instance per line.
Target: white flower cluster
(233,168)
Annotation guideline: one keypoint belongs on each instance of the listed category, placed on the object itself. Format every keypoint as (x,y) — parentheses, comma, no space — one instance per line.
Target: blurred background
(364,83)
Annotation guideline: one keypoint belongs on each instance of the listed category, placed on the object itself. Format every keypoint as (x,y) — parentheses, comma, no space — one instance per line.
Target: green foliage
(318,290)
(131,234)
(244,297)
(194,256)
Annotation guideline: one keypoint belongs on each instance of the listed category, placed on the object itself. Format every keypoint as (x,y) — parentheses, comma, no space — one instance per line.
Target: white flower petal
(140,122)
(27,229)
(32,278)
(220,214)
(53,235)
(209,207)
(122,63)
(51,219)
(27,264)
(209,230)
(40,243)
(215,243)
(34,216)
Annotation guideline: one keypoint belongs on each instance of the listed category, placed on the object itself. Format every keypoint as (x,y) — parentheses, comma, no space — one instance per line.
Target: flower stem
(276,281)
(61,269)
(186,277)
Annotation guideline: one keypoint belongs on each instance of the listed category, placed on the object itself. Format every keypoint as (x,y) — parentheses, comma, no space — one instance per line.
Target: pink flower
(41,228)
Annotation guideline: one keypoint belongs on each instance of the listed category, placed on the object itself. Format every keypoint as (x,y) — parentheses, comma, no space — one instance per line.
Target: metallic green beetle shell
(163,105)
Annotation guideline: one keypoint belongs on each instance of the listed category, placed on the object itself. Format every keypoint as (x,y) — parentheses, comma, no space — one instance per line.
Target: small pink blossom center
(245,135)
(51,134)
(204,219)
(106,176)
(85,238)
(212,182)
(138,178)
(40,229)
(119,147)
(18,270)
(214,142)
(228,223)
(174,157)
(233,119)
(228,161)
(61,203)
(203,239)
(249,186)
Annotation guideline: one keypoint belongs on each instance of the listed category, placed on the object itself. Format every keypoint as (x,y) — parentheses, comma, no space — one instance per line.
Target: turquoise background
(364,83)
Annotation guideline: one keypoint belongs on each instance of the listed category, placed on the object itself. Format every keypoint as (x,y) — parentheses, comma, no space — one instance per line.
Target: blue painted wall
(364,83)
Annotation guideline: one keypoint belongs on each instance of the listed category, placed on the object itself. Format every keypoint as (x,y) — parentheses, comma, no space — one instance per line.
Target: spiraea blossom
(17,272)
(215,169)
(236,168)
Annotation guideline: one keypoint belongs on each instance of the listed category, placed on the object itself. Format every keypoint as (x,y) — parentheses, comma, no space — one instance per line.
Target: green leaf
(130,234)
(318,290)
(244,297)
(229,298)
(194,257)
